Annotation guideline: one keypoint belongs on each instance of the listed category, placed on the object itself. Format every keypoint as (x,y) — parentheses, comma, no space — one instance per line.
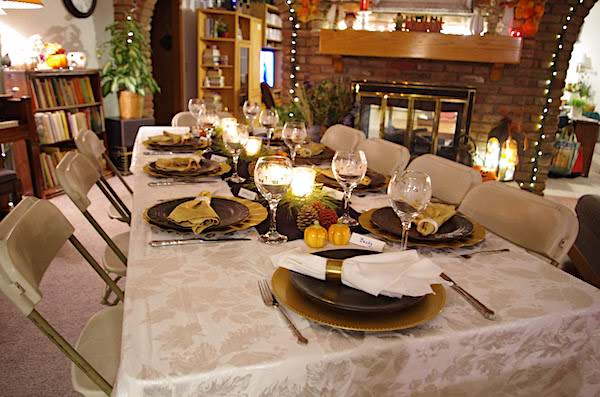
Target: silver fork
(269,300)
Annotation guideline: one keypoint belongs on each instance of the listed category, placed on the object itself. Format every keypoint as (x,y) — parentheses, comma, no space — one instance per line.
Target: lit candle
(253,146)
(303,181)
(227,122)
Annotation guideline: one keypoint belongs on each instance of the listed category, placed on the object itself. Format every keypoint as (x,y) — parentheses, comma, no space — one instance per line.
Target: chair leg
(108,292)
(116,171)
(115,196)
(120,208)
(106,237)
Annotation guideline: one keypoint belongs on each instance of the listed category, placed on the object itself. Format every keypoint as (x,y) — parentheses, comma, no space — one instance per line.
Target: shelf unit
(268,13)
(241,45)
(57,97)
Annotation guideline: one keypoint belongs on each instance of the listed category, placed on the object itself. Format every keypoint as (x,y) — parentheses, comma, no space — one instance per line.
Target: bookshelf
(64,103)
(237,79)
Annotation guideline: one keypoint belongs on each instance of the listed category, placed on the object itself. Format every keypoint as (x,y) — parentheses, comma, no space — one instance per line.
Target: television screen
(267,67)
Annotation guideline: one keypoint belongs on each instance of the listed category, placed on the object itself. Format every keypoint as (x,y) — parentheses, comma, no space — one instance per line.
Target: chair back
(450,181)
(184,119)
(91,146)
(528,220)
(37,231)
(584,253)
(341,137)
(76,174)
(266,95)
(384,156)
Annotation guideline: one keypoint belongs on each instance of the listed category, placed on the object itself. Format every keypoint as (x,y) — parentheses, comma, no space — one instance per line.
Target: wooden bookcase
(64,94)
(241,45)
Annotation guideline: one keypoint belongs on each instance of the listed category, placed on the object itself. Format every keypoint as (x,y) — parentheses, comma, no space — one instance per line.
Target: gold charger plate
(478,234)
(420,313)
(256,215)
(222,170)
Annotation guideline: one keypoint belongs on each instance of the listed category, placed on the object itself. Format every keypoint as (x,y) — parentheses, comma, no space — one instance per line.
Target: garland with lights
(293,18)
(548,99)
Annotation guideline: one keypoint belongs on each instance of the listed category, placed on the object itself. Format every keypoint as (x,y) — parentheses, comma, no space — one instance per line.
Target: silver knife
(181,182)
(193,240)
(157,153)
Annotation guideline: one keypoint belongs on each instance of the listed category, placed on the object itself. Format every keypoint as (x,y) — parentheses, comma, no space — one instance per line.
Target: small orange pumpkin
(315,236)
(339,234)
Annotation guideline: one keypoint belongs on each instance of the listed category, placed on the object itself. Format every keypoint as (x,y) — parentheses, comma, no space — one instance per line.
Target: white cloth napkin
(370,201)
(392,274)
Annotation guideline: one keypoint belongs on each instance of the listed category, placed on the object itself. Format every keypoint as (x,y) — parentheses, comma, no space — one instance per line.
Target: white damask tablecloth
(194,325)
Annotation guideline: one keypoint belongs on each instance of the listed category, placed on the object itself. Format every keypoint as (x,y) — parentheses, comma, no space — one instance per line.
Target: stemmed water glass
(269,119)
(349,168)
(207,121)
(235,138)
(294,135)
(251,111)
(196,106)
(273,176)
(409,193)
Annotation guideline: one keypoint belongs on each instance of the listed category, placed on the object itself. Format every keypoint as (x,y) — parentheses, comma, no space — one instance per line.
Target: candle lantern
(253,146)
(502,152)
(303,181)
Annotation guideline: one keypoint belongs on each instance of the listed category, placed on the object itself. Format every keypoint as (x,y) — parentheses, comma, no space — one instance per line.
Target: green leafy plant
(221,28)
(578,103)
(127,68)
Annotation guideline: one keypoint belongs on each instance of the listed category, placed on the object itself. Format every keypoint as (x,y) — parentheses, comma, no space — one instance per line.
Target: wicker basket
(131,105)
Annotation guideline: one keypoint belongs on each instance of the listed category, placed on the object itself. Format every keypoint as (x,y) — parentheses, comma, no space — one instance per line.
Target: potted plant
(127,72)
(221,28)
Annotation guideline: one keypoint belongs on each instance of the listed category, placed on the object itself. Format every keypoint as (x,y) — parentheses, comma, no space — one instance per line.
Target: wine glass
(207,121)
(409,193)
(269,119)
(294,135)
(251,111)
(196,106)
(349,168)
(273,176)
(235,138)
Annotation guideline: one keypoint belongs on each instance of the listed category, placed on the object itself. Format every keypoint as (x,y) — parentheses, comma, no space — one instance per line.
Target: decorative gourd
(315,236)
(339,234)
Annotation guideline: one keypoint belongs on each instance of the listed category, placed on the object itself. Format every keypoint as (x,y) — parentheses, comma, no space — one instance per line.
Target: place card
(217,158)
(367,242)
(336,194)
(247,194)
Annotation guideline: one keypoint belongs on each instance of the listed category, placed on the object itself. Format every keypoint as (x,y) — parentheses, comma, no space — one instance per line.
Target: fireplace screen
(424,118)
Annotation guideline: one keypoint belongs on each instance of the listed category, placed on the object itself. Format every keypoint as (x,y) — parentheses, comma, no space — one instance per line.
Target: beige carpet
(30,365)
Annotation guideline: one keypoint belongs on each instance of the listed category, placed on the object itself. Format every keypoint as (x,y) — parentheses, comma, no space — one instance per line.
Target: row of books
(49,159)
(54,92)
(60,126)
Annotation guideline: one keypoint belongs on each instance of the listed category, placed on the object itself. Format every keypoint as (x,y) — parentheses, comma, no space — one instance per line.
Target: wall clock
(80,8)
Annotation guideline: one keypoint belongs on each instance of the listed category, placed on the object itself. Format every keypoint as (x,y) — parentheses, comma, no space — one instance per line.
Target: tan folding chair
(536,224)
(450,181)
(30,238)
(76,174)
(384,156)
(92,147)
(184,119)
(343,138)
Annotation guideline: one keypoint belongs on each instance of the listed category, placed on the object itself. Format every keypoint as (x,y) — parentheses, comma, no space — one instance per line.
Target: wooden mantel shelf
(421,45)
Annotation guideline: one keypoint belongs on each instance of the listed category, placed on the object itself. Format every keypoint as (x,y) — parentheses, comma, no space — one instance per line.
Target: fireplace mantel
(421,45)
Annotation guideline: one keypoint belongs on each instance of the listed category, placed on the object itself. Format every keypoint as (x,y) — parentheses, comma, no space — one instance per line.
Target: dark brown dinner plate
(326,155)
(455,228)
(378,181)
(206,167)
(230,212)
(339,296)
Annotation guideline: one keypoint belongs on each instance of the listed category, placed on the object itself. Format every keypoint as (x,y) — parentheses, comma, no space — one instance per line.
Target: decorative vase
(131,105)
(576,112)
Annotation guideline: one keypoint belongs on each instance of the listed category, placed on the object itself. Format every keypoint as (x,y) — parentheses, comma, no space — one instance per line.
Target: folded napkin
(311,149)
(180,164)
(369,202)
(429,221)
(197,214)
(392,274)
(366,181)
(169,138)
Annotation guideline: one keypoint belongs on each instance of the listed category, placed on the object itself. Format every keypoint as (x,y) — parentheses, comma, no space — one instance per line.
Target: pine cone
(306,216)
(327,217)
(318,205)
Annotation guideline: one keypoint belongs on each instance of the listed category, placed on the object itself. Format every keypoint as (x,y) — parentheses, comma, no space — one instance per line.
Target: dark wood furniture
(50,94)
(23,137)
(121,135)
(584,252)
(587,136)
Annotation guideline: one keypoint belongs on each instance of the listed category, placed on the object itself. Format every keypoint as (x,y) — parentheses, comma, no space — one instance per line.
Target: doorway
(167,65)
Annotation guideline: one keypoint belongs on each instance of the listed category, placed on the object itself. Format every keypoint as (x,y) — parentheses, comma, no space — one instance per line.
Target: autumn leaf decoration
(309,10)
(528,15)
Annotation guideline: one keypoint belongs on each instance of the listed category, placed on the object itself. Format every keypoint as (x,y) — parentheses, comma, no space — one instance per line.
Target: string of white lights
(548,99)
(293,52)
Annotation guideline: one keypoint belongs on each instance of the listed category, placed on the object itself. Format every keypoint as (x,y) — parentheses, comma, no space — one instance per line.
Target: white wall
(54,23)
(588,44)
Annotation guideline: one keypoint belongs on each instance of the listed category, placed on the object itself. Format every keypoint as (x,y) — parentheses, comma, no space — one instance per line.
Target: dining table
(194,323)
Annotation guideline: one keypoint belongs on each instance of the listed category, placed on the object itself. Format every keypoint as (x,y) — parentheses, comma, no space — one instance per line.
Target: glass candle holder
(253,146)
(303,181)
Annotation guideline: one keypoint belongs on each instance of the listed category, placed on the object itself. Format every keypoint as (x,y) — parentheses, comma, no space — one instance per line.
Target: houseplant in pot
(127,71)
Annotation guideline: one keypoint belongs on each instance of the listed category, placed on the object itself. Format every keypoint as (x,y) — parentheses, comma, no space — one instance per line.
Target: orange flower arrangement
(309,10)
(528,15)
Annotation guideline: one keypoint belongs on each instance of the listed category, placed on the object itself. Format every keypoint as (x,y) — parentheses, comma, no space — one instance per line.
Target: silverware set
(183,181)
(157,153)
(269,300)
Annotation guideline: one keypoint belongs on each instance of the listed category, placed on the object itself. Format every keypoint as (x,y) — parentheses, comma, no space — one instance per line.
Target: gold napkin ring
(333,270)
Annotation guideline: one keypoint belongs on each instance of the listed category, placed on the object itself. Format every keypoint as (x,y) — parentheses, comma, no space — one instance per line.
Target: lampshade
(21,4)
